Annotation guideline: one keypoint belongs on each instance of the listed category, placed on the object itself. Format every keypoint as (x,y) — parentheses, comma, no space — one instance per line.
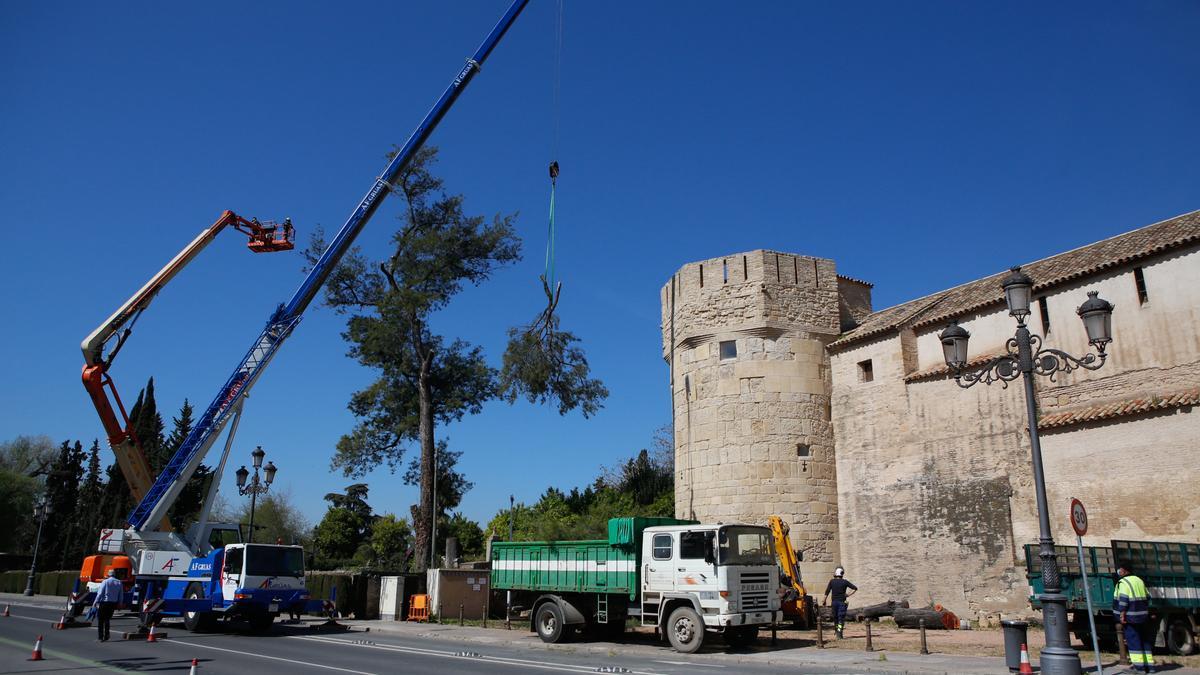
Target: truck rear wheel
(548,622)
(1180,639)
(197,622)
(685,630)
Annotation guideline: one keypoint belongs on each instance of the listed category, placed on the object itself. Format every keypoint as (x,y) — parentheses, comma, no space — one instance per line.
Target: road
(294,649)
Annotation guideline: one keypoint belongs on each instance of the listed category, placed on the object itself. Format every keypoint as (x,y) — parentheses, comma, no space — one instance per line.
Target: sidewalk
(788,653)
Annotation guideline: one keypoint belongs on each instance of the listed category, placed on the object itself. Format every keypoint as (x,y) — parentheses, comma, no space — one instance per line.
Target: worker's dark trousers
(1139,638)
(104,618)
(839,613)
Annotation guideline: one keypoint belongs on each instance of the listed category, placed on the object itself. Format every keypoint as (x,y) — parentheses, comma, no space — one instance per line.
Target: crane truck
(207,573)
(684,578)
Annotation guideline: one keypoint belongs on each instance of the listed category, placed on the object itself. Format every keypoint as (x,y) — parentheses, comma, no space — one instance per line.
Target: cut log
(911,618)
(876,611)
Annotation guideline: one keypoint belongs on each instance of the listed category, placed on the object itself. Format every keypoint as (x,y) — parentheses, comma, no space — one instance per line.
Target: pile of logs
(935,617)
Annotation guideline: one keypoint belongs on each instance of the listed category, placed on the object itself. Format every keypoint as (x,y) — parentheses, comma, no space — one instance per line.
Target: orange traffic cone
(62,623)
(1026,668)
(37,650)
(195,664)
(151,637)
(6,612)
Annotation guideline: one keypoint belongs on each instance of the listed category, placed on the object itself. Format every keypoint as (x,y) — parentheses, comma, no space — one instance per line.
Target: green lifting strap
(551,273)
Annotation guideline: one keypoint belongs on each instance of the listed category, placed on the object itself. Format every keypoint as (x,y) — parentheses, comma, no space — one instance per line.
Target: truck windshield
(744,545)
(274,561)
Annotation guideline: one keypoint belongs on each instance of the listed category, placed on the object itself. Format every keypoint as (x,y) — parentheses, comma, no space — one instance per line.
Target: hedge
(45,583)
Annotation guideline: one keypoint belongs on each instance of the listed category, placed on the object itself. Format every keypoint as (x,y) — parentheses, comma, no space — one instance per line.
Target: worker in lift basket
(838,587)
(1131,604)
(107,598)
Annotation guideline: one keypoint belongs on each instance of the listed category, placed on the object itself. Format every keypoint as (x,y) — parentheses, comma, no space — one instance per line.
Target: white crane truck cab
(709,577)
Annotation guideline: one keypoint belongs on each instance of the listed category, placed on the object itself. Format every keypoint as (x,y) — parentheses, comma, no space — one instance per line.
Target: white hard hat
(839,571)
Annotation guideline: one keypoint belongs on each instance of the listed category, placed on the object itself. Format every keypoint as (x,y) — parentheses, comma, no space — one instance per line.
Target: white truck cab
(709,577)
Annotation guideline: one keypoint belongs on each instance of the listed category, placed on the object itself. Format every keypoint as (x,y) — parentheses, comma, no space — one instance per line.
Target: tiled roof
(1046,273)
(1120,409)
(942,370)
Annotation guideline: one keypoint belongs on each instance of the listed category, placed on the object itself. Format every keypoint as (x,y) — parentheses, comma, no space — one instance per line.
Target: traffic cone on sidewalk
(37,650)
(1026,668)
(195,664)
(151,637)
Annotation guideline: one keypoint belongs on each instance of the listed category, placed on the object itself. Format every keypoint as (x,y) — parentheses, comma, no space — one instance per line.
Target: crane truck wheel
(685,630)
(1180,639)
(197,622)
(549,624)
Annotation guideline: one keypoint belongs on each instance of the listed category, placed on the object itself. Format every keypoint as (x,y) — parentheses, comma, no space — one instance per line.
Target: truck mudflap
(743,619)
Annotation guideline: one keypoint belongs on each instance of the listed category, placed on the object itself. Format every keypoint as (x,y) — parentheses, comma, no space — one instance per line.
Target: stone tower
(744,336)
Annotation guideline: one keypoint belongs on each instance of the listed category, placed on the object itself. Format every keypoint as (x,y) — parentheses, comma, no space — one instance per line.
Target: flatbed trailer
(1171,571)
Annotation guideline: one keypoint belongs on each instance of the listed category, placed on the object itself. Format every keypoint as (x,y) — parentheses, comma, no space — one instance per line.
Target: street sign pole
(1079,523)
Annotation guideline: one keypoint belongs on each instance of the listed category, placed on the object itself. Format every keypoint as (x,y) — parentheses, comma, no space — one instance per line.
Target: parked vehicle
(684,578)
(1171,571)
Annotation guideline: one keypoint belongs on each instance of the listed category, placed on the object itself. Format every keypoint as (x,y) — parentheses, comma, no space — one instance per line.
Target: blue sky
(919,145)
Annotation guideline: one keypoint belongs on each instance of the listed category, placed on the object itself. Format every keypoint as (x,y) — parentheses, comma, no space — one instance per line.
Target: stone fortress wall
(921,489)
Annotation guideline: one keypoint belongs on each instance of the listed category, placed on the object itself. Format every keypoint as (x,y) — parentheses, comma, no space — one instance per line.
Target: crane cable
(550,283)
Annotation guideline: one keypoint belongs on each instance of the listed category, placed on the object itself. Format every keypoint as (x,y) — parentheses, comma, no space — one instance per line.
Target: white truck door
(692,571)
(231,570)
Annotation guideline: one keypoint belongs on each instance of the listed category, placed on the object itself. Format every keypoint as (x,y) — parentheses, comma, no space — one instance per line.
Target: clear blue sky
(919,145)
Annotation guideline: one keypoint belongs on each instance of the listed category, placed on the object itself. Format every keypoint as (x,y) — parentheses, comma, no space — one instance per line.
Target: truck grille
(755,591)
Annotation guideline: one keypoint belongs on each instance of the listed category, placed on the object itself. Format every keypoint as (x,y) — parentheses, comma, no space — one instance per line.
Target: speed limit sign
(1078,517)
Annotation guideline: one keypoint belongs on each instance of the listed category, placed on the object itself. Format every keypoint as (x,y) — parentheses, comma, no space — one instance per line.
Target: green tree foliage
(62,495)
(276,519)
(24,461)
(345,529)
(29,456)
(543,364)
(639,486)
(391,543)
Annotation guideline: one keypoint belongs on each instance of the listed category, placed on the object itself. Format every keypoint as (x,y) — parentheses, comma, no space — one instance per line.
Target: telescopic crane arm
(165,490)
(263,237)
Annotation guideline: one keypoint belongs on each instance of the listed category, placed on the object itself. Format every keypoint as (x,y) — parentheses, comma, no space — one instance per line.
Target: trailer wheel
(1180,639)
(685,630)
(197,622)
(548,622)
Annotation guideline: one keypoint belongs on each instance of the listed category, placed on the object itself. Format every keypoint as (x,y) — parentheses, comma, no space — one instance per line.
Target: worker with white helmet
(841,590)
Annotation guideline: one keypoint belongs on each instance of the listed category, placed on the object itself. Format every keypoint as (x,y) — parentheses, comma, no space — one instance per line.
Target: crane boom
(96,378)
(166,488)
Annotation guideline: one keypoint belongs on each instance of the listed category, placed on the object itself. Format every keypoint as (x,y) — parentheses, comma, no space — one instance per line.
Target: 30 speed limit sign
(1078,517)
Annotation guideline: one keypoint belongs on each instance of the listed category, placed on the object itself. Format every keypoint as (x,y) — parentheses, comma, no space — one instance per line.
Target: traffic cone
(62,623)
(151,637)
(195,664)
(6,612)
(1026,668)
(37,650)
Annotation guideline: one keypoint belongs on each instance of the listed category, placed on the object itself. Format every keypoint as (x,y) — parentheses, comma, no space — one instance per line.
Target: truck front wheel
(685,630)
(548,622)
(1180,639)
(196,622)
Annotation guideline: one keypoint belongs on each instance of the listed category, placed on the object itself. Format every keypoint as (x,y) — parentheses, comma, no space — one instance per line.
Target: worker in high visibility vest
(1131,605)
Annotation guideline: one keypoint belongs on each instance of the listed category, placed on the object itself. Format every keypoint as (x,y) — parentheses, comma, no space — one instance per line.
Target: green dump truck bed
(1171,571)
(589,566)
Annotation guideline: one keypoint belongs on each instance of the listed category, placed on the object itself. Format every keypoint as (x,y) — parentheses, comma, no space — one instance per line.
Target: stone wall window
(1045,312)
(866,372)
(728,350)
(802,450)
(1139,279)
(662,546)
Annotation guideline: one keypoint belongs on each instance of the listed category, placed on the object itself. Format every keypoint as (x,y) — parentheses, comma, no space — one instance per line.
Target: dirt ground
(979,642)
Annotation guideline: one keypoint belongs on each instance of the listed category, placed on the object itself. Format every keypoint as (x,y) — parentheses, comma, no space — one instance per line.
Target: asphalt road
(293,649)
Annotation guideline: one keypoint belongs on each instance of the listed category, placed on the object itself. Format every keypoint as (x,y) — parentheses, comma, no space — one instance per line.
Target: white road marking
(691,663)
(501,660)
(273,658)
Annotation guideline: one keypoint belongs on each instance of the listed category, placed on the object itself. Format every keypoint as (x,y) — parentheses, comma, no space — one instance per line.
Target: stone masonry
(745,337)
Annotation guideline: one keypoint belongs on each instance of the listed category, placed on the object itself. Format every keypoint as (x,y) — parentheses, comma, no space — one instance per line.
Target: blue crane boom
(159,498)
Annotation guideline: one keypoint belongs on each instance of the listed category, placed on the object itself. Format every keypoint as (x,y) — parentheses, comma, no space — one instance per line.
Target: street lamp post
(40,509)
(1025,357)
(255,486)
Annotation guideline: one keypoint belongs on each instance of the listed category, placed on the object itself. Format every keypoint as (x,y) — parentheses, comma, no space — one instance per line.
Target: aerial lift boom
(226,404)
(263,237)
